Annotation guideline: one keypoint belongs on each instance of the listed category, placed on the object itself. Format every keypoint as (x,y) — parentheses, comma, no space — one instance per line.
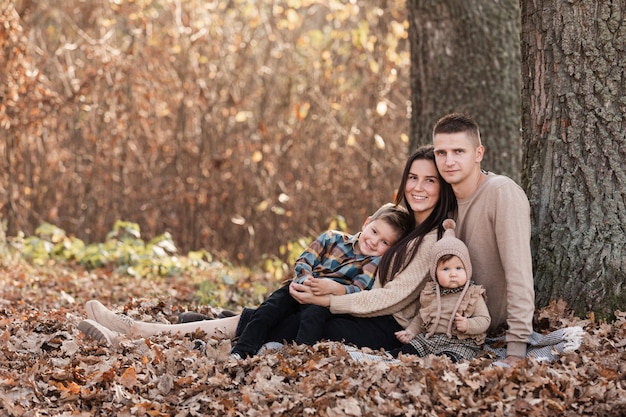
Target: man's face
(456,156)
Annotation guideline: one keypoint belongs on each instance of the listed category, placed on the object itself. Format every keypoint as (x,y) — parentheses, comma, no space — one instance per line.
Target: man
(494,222)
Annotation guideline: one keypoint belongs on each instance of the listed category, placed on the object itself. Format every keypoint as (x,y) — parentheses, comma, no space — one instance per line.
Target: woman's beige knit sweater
(398,297)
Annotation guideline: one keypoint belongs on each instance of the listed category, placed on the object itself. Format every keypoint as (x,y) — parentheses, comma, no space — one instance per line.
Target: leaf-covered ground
(47,368)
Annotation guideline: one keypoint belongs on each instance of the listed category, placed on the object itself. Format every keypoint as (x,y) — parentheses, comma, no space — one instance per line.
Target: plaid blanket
(541,347)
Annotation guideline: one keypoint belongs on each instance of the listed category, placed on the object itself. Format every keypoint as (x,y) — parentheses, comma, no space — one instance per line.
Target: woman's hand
(303,294)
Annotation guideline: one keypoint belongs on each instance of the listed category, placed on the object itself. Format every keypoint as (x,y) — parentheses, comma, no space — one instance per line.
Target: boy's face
(376,237)
(451,273)
(457,156)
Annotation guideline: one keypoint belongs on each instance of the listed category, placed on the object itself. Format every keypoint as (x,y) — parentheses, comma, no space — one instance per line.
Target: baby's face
(451,273)
(376,237)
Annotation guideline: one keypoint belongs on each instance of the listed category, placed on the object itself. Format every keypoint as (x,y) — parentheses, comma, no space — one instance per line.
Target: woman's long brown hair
(403,252)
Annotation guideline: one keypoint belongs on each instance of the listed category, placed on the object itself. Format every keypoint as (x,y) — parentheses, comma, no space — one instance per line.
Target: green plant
(123,250)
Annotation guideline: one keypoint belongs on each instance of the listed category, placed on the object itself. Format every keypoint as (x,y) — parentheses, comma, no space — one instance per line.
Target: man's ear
(366,222)
(480,153)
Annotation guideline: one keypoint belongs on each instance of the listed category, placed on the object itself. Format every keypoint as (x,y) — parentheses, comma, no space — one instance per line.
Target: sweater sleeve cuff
(338,304)
(516,349)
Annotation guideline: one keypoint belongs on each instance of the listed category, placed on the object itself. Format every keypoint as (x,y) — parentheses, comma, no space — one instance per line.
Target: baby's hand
(462,324)
(404,336)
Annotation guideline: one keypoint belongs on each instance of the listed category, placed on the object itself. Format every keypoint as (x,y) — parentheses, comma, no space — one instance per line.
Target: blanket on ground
(542,347)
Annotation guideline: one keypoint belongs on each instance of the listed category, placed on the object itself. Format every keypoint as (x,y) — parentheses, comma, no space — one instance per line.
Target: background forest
(235,126)
(242,128)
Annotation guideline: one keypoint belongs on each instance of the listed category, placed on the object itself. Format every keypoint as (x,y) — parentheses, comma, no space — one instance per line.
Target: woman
(371,318)
(365,319)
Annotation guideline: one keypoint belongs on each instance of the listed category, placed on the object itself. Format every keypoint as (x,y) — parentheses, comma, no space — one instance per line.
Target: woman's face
(422,188)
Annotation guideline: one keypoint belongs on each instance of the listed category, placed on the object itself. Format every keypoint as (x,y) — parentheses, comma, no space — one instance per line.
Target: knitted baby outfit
(449,245)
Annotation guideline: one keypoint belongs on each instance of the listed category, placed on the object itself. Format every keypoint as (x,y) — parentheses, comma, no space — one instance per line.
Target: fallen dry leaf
(48,368)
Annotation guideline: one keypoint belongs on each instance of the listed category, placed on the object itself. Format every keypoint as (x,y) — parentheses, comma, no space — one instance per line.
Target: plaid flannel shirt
(332,255)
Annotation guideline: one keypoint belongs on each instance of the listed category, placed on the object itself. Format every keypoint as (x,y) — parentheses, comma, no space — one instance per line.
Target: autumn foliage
(236,126)
(230,128)
(47,367)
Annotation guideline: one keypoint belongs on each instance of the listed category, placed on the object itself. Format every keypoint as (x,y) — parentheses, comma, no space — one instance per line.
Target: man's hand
(512,361)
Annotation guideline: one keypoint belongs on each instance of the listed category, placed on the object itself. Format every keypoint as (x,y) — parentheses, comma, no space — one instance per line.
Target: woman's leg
(219,327)
(120,323)
(372,332)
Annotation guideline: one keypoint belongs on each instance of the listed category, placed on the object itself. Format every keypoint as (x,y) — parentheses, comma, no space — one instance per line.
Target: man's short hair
(457,123)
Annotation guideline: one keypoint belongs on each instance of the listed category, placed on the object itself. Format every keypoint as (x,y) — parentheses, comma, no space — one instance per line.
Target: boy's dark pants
(272,312)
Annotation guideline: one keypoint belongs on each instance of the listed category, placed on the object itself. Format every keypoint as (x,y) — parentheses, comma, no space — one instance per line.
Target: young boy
(339,263)
(453,317)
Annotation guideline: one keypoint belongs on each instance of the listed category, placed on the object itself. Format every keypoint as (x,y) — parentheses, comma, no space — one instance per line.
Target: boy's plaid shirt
(332,255)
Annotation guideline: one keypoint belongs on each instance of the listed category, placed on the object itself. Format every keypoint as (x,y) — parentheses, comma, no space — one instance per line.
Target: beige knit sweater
(494,223)
(398,297)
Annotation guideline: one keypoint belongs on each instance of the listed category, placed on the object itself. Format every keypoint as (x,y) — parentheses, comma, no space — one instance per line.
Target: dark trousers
(271,313)
(373,332)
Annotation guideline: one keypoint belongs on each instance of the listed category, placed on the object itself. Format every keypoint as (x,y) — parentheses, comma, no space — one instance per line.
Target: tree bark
(574,148)
(465,58)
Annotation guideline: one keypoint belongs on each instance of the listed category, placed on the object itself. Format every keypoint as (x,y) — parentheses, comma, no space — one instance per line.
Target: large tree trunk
(574,124)
(465,58)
